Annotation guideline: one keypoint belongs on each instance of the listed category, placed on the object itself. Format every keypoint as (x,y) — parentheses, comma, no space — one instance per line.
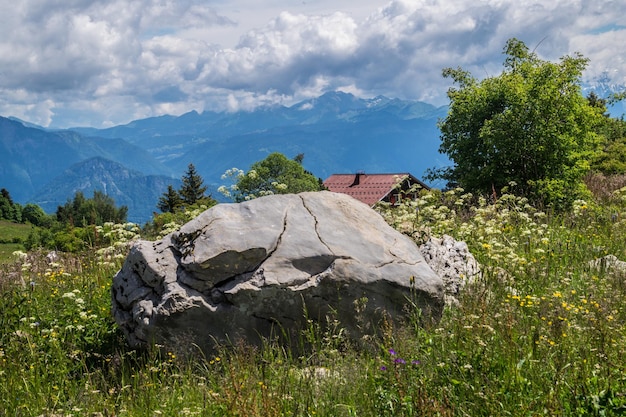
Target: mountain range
(133,163)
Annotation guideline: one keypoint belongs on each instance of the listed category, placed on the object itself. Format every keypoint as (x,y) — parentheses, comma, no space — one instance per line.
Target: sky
(101,63)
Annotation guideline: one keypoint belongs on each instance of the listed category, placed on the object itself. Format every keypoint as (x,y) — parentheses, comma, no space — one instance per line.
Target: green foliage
(170,201)
(192,189)
(164,223)
(180,206)
(73,229)
(54,329)
(30,213)
(612,157)
(81,212)
(276,174)
(530,125)
(9,210)
(35,215)
(177,205)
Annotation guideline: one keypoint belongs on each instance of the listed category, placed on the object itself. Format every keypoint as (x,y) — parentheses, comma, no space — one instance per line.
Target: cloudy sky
(106,62)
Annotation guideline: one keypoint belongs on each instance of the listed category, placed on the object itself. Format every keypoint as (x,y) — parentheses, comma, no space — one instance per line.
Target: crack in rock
(317,231)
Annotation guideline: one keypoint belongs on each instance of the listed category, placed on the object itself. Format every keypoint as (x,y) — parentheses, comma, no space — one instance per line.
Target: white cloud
(100,62)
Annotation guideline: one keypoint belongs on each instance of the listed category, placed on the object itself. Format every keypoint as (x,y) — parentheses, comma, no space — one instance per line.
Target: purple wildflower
(392,352)
(400,361)
(415,362)
(383,368)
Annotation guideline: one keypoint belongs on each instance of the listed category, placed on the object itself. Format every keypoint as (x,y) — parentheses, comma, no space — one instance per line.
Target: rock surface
(609,264)
(453,262)
(251,270)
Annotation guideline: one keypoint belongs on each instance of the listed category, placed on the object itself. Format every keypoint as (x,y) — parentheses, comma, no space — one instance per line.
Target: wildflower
(400,361)
(415,362)
(19,254)
(392,352)
(383,368)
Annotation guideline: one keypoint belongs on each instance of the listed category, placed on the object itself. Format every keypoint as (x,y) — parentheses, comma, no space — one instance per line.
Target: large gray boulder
(251,270)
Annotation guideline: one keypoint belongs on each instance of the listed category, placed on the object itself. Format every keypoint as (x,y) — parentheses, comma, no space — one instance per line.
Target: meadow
(541,332)
(12,235)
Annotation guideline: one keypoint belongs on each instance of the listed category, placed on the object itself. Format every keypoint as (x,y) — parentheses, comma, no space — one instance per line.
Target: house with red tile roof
(373,188)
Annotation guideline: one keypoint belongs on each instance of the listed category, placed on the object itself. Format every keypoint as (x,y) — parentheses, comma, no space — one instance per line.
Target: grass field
(540,333)
(10,236)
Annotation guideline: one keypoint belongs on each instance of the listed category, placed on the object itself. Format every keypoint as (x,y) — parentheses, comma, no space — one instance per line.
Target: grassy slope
(8,232)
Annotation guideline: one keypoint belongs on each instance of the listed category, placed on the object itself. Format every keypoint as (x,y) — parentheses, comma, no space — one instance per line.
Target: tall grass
(540,332)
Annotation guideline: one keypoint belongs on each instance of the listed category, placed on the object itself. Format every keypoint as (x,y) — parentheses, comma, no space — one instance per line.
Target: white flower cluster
(508,229)
(20,255)
(233,175)
(119,236)
(580,208)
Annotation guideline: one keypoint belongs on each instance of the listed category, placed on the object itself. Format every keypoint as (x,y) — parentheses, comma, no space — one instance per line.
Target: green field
(11,237)
(539,333)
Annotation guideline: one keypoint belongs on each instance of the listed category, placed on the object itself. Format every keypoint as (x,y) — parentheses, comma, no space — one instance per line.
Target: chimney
(357,178)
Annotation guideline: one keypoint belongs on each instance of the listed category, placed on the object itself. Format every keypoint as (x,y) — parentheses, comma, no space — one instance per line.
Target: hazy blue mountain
(337,133)
(139,192)
(31,157)
(604,87)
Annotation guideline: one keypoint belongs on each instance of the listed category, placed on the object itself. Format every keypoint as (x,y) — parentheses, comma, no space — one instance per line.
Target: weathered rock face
(250,270)
(609,264)
(453,262)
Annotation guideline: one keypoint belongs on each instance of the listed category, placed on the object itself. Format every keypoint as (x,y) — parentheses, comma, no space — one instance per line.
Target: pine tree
(170,200)
(192,189)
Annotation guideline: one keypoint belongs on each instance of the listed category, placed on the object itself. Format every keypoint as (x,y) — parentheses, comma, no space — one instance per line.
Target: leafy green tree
(9,210)
(170,201)
(530,125)
(35,215)
(193,187)
(276,174)
(6,205)
(612,157)
(81,212)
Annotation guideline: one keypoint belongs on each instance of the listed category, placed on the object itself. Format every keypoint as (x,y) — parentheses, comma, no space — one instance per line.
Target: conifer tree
(193,187)
(170,200)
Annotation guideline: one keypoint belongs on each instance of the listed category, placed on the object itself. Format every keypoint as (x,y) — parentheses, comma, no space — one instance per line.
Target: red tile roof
(369,188)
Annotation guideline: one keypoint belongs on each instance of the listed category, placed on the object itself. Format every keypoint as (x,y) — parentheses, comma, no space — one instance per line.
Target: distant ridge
(127,187)
(337,133)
